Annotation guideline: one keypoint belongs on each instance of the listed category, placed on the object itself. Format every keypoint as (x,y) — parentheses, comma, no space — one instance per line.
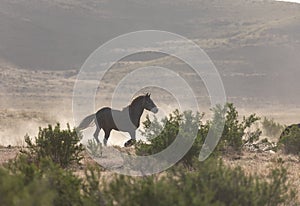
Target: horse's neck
(136,112)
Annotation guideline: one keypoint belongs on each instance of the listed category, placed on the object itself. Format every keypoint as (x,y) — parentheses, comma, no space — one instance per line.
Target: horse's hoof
(105,142)
(129,143)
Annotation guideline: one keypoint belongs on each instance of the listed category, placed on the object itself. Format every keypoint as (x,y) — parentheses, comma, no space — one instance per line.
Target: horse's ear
(148,95)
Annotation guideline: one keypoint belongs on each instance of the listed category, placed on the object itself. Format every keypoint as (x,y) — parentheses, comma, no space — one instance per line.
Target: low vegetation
(161,134)
(94,148)
(210,183)
(27,183)
(61,146)
(235,134)
(271,128)
(42,174)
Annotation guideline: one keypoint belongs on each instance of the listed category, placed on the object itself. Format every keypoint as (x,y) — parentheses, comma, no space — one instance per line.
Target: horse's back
(287,130)
(104,109)
(107,112)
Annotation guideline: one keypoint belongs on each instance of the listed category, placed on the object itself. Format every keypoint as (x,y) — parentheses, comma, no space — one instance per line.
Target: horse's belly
(112,119)
(124,125)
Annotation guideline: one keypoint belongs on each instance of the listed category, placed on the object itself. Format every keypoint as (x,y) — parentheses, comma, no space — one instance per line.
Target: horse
(288,129)
(126,120)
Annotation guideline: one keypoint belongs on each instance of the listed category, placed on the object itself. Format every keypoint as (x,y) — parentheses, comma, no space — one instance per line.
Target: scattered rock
(261,146)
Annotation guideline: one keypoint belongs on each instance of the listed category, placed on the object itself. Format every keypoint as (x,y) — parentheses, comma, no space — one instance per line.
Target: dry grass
(261,163)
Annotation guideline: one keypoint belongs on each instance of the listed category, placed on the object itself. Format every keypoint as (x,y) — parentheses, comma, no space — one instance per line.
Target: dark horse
(127,120)
(289,129)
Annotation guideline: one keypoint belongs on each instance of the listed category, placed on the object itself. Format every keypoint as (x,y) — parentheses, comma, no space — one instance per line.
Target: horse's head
(149,104)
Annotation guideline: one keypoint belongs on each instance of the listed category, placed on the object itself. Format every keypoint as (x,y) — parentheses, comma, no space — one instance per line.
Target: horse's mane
(134,101)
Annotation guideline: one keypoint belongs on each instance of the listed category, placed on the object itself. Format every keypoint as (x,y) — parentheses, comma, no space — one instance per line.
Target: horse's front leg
(132,140)
(96,134)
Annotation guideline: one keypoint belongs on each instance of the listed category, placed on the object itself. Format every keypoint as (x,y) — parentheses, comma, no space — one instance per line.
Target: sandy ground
(7,154)
(261,164)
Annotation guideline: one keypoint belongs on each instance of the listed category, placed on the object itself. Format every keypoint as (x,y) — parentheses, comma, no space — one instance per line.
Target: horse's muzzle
(154,110)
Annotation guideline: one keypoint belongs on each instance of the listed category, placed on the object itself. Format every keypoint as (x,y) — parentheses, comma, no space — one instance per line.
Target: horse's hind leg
(96,134)
(106,136)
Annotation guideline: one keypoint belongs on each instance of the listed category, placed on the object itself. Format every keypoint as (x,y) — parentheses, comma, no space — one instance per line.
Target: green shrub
(237,133)
(211,183)
(61,146)
(161,134)
(38,176)
(60,186)
(94,148)
(92,194)
(289,141)
(16,190)
(271,128)
(25,182)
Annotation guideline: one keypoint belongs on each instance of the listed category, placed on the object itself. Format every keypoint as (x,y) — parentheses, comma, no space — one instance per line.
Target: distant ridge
(59,34)
(291,1)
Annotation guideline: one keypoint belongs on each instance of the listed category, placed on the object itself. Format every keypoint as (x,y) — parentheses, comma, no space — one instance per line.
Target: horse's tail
(86,122)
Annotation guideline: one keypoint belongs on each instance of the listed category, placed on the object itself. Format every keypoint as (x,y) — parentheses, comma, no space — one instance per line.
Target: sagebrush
(61,146)
(271,128)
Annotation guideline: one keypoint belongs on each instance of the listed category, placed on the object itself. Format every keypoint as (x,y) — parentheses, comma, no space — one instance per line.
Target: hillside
(254,45)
